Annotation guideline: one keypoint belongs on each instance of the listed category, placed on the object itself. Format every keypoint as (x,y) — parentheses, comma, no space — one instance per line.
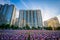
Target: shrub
(48,28)
(58,28)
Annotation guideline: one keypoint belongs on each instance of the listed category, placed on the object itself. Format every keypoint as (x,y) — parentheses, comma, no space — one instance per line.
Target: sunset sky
(49,8)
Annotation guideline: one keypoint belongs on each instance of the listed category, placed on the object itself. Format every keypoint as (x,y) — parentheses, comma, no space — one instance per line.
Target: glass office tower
(8,13)
(30,17)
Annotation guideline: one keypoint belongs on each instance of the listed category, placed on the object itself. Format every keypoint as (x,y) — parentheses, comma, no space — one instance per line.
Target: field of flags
(29,35)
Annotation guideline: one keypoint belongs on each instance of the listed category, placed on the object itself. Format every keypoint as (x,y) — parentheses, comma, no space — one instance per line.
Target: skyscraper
(8,13)
(30,17)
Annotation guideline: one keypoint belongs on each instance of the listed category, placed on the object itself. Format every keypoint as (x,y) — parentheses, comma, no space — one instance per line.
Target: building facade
(30,17)
(16,22)
(8,13)
(2,18)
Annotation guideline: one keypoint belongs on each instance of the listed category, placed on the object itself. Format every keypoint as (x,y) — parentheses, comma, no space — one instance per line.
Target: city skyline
(49,8)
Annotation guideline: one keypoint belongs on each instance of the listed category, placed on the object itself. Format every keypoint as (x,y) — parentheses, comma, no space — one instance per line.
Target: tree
(24,28)
(27,27)
(7,26)
(16,27)
(20,28)
(39,28)
(12,27)
(58,28)
(33,28)
(2,26)
(48,28)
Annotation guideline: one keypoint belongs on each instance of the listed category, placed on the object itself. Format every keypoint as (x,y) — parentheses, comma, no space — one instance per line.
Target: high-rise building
(30,17)
(16,22)
(1,15)
(8,13)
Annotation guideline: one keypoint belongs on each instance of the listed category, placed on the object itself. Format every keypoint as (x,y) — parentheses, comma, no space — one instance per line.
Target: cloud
(24,4)
(4,1)
(49,13)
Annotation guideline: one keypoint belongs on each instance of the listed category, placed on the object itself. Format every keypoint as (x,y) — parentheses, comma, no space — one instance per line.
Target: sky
(49,8)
